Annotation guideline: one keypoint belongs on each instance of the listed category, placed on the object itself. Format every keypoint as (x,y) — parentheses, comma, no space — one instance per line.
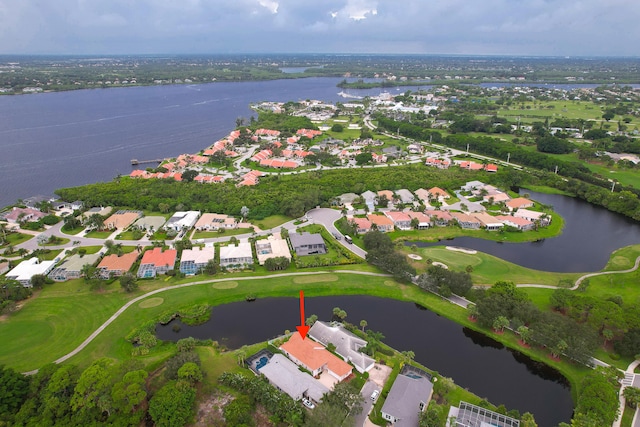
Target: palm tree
(363,324)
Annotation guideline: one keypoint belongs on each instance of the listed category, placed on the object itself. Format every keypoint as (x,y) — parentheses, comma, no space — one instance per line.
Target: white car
(374,395)
(308,403)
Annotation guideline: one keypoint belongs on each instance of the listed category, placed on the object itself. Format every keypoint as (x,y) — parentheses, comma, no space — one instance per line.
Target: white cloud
(271,5)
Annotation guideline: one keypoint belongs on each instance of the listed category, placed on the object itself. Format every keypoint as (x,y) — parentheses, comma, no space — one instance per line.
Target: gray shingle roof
(405,396)
(285,375)
(347,344)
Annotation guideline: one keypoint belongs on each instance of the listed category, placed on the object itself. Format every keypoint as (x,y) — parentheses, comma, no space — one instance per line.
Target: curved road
(122,309)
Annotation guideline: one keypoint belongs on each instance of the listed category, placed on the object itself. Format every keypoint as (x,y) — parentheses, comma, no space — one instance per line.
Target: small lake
(474,361)
(589,236)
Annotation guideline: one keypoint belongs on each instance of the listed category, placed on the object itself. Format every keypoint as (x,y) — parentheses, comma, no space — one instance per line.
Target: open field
(271,221)
(16,238)
(225,233)
(99,234)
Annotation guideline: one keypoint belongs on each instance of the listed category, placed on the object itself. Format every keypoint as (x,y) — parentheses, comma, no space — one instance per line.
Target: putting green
(151,302)
(316,278)
(225,285)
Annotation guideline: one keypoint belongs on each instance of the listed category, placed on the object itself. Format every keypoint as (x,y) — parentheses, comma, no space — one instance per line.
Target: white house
(236,255)
(24,271)
(182,220)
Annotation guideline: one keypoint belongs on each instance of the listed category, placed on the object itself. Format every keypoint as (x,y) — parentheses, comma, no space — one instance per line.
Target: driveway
(366,391)
(326,217)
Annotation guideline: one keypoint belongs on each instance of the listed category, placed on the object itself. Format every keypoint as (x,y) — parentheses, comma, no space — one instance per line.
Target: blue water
(263,361)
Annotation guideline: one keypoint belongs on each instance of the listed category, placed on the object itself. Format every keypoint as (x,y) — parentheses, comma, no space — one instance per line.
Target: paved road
(326,217)
(366,391)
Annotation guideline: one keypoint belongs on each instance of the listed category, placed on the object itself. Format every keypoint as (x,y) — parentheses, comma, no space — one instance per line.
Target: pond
(474,361)
(589,236)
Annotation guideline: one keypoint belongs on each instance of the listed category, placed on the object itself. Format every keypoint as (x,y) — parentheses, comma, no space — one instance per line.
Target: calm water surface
(471,359)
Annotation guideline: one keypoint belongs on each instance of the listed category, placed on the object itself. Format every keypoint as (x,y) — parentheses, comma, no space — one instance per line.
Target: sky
(481,27)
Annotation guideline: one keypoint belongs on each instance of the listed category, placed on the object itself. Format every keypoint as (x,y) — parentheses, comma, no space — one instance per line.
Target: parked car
(337,236)
(375,394)
(308,403)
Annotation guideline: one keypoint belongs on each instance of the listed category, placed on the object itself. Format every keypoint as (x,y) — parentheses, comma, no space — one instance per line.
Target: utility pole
(508,157)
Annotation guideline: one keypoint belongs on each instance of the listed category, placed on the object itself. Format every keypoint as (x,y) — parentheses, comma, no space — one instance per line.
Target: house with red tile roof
(309,133)
(424,221)
(496,197)
(487,221)
(378,158)
(122,219)
(24,214)
(267,132)
(519,203)
(387,193)
(382,223)
(438,193)
(114,265)
(440,218)
(491,167)
(363,225)
(250,178)
(312,356)
(264,154)
(156,261)
(438,163)
(400,220)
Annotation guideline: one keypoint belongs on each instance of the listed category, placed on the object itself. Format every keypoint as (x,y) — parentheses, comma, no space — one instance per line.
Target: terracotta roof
(314,355)
(519,203)
(115,263)
(380,220)
(159,258)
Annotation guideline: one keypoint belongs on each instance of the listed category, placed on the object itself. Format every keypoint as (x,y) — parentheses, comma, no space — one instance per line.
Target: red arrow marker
(302,329)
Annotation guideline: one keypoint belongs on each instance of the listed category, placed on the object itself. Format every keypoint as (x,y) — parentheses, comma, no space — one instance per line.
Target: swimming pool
(263,361)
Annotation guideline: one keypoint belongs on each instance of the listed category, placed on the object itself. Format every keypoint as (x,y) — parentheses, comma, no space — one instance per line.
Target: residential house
(468,415)
(490,167)
(363,225)
(438,163)
(156,261)
(240,255)
(182,220)
(388,194)
(347,345)
(519,203)
(409,396)
(439,218)
(348,198)
(472,185)
(381,222)
(17,215)
(378,158)
(284,375)
(516,222)
(4,267)
(150,223)
(400,220)
(406,196)
(466,221)
(488,222)
(71,268)
(24,271)
(438,194)
(370,199)
(102,211)
(307,244)
(543,218)
(312,356)
(196,259)
(423,195)
(424,221)
(122,219)
(214,222)
(272,247)
(114,265)
(496,197)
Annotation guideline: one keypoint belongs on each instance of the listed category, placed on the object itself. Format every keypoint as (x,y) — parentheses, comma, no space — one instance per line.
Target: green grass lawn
(99,234)
(226,233)
(73,231)
(487,269)
(60,241)
(270,221)
(91,249)
(129,235)
(16,238)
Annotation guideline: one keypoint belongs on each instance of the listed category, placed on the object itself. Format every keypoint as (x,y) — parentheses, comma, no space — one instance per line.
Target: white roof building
(274,246)
(182,220)
(236,255)
(24,271)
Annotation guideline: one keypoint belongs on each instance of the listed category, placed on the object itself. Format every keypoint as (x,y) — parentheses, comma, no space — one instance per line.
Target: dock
(141,162)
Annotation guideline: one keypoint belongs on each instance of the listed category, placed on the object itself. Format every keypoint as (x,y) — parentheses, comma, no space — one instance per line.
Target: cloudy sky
(493,27)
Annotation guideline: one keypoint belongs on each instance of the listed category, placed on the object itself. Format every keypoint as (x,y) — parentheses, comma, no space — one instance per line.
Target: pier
(141,162)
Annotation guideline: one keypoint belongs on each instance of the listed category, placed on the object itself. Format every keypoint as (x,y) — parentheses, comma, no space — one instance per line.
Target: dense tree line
(11,291)
(290,195)
(381,252)
(444,281)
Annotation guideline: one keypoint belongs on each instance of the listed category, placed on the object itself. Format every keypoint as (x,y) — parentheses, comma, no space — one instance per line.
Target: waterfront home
(272,247)
(466,221)
(516,222)
(307,244)
(347,345)
(362,225)
(215,222)
(409,396)
(400,220)
(488,222)
(424,221)
(313,357)
(519,203)
(156,261)
(24,271)
(440,218)
(17,215)
(285,375)
(406,196)
(468,415)
(543,218)
(196,259)
(496,197)
(71,268)
(240,255)
(182,220)
(114,265)
(381,222)
(122,219)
